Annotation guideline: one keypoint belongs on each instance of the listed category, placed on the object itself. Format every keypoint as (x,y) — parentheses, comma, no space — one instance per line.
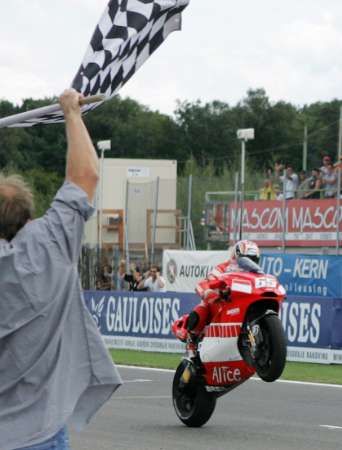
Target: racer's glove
(225,294)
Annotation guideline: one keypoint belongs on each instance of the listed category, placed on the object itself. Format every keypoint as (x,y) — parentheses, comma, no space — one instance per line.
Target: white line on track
(143,397)
(302,383)
(152,369)
(305,383)
(137,380)
(331,427)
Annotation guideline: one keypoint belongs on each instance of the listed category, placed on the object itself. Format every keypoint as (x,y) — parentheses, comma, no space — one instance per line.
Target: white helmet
(248,249)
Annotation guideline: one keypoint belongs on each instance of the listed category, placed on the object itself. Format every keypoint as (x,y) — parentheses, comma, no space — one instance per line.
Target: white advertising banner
(182,270)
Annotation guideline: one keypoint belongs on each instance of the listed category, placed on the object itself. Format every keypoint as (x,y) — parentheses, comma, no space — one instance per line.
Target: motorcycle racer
(232,334)
(210,292)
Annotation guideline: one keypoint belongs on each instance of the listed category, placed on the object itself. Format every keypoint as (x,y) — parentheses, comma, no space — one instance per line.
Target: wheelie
(232,334)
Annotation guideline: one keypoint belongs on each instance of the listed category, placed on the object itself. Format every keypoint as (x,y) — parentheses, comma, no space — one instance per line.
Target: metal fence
(193,212)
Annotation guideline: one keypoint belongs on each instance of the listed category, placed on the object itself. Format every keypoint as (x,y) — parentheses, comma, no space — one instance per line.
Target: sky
(292,49)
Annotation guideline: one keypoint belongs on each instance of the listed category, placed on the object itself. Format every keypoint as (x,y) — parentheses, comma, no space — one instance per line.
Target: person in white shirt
(329,180)
(326,161)
(289,180)
(155,282)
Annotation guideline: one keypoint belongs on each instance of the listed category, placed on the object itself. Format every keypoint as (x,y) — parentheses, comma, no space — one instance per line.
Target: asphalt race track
(257,415)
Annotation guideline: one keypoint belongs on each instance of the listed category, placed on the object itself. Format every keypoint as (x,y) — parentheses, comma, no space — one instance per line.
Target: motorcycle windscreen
(220,343)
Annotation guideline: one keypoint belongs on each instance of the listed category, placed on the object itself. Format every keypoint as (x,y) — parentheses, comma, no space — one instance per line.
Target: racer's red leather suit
(209,291)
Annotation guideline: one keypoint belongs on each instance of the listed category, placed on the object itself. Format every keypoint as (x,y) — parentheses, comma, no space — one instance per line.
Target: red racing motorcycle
(245,337)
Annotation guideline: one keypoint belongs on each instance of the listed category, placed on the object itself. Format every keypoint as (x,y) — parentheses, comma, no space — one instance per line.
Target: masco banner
(142,321)
(317,221)
(310,275)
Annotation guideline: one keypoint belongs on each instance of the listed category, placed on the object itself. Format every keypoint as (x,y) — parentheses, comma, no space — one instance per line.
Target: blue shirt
(54,367)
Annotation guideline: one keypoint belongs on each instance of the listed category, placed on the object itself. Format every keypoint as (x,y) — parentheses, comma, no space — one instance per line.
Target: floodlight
(245,134)
(104,145)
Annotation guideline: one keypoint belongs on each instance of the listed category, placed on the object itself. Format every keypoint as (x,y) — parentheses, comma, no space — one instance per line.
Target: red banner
(299,223)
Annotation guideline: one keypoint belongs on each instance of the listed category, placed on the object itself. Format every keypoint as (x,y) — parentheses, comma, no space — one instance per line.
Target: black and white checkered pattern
(129,31)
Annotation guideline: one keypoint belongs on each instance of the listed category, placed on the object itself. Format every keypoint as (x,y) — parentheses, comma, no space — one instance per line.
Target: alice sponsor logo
(225,375)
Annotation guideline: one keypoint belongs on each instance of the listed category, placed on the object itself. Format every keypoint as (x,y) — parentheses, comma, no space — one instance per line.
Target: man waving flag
(128,32)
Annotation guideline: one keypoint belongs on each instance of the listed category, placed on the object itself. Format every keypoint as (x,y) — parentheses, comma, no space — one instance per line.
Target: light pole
(305,149)
(244,135)
(102,146)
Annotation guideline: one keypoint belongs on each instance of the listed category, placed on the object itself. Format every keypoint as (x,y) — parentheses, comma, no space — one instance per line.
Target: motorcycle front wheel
(193,404)
(271,354)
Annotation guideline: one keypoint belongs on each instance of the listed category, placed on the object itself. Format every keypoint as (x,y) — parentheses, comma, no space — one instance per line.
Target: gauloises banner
(142,321)
(299,223)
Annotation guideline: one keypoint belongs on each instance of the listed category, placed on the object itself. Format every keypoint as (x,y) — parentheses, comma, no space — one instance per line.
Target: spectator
(326,160)
(289,180)
(134,279)
(55,368)
(315,185)
(304,182)
(278,192)
(107,277)
(269,174)
(338,164)
(155,282)
(338,170)
(121,284)
(267,192)
(329,181)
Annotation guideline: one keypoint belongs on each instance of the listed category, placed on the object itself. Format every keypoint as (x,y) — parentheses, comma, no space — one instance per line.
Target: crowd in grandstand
(132,278)
(282,181)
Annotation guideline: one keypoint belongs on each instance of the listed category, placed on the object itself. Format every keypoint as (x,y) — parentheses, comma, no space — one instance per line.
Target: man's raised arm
(82,160)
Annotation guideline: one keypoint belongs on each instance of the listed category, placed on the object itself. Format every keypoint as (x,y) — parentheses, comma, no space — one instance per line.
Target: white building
(131,185)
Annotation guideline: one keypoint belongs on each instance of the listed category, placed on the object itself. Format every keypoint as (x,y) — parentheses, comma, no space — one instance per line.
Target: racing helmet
(247,249)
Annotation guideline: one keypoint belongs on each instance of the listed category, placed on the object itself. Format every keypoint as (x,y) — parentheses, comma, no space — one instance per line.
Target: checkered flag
(129,32)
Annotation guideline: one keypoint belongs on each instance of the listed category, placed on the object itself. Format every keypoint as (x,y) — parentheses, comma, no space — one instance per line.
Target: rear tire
(193,404)
(271,358)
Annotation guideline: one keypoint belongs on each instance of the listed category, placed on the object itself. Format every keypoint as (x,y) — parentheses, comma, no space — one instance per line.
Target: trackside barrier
(311,314)
(141,321)
(312,275)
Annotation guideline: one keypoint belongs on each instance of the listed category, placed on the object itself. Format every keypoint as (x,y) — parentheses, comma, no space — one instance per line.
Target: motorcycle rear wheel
(193,404)
(272,351)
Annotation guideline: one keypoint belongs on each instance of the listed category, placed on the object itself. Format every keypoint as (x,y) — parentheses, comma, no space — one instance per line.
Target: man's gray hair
(16,205)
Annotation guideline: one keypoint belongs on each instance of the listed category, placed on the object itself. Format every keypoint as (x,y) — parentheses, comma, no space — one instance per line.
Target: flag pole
(34,113)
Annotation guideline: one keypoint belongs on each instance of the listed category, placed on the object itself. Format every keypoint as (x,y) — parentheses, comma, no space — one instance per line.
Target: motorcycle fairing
(220,342)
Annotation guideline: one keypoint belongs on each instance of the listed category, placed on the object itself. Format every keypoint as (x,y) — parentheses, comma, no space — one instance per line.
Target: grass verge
(318,373)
